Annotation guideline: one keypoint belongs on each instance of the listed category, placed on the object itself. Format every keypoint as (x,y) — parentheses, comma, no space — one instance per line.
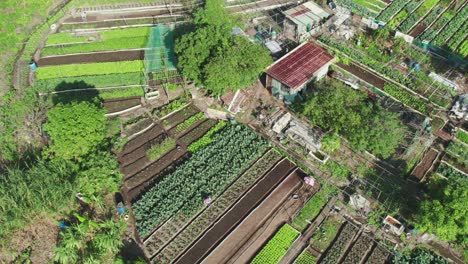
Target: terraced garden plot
(141,139)
(238,212)
(90,81)
(458,21)
(186,235)
(127,93)
(432,31)
(391,10)
(359,250)
(208,171)
(277,246)
(450,173)
(144,179)
(120,104)
(403,14)
(428,20)
(179,117)
(126,161)
(195,134)
(378,256)
(459,152)
(325,233)
(148,21)
(417,15)
(187,125)
(137,127)
(338,248)
(96,57)
(73,70)
(306,258)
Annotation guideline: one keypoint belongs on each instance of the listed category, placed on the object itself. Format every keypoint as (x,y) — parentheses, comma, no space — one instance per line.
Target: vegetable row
(207,172)
(277,246)
(73,70)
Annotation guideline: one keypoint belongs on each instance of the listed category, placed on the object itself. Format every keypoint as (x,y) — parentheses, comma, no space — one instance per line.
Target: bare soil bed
(134,161)
(238,212)
(145,178)
(364,75)
(107,56)
(120,104)
(250,236)
(140,140)
(418,30)
(423,167)
(137,127)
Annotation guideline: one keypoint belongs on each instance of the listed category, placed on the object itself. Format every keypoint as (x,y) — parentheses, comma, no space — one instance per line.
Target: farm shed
(290,74)
(303,21)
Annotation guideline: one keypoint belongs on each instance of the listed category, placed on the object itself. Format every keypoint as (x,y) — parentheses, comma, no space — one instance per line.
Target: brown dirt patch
(40,236)
(126,55)
(423,167)
(418,30)
(120,104)
(363,74)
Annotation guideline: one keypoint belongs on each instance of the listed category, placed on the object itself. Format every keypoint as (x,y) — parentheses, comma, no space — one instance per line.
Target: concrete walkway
(303,241)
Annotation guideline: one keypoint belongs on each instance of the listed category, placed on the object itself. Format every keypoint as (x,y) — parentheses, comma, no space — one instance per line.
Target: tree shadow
(64,93)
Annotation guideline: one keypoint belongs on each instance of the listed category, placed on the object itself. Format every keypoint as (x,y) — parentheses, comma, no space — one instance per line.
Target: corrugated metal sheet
(300,65)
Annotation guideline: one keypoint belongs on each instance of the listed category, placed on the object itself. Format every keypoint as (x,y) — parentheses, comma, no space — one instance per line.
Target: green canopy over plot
(159,53)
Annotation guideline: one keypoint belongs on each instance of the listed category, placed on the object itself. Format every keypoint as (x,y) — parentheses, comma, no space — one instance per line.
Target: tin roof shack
(290,74)
(303,21)
(393,225)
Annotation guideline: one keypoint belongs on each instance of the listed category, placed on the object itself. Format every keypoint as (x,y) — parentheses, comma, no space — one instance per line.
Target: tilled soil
(107,56)
(418,30)
(144,179)
(363,74)
(140,140)
(424,166)
(128,161)
(120,104)
(232,218)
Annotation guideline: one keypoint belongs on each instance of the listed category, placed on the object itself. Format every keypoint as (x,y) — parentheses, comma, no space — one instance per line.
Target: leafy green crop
(207,138)
(189,122)
(459,152)
(72,70)
(207,172)
(449,172)
(306,258)
(113,44)
(462,136)
(90,81)
(312,208)
(277,246)
(391,10)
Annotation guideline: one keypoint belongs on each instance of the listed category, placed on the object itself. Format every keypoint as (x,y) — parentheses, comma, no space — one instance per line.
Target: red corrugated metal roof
(299,65)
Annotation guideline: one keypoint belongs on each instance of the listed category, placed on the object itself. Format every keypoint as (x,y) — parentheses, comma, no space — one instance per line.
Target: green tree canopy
(75,129)
(443,212)
(215,59)
(336,107)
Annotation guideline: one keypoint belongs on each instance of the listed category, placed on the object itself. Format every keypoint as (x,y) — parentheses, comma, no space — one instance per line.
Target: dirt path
(215,234)
(105,56)
(303,241)
(260,225)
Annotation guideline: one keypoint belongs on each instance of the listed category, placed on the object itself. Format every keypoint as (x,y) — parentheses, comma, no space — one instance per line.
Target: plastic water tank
(33,65)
